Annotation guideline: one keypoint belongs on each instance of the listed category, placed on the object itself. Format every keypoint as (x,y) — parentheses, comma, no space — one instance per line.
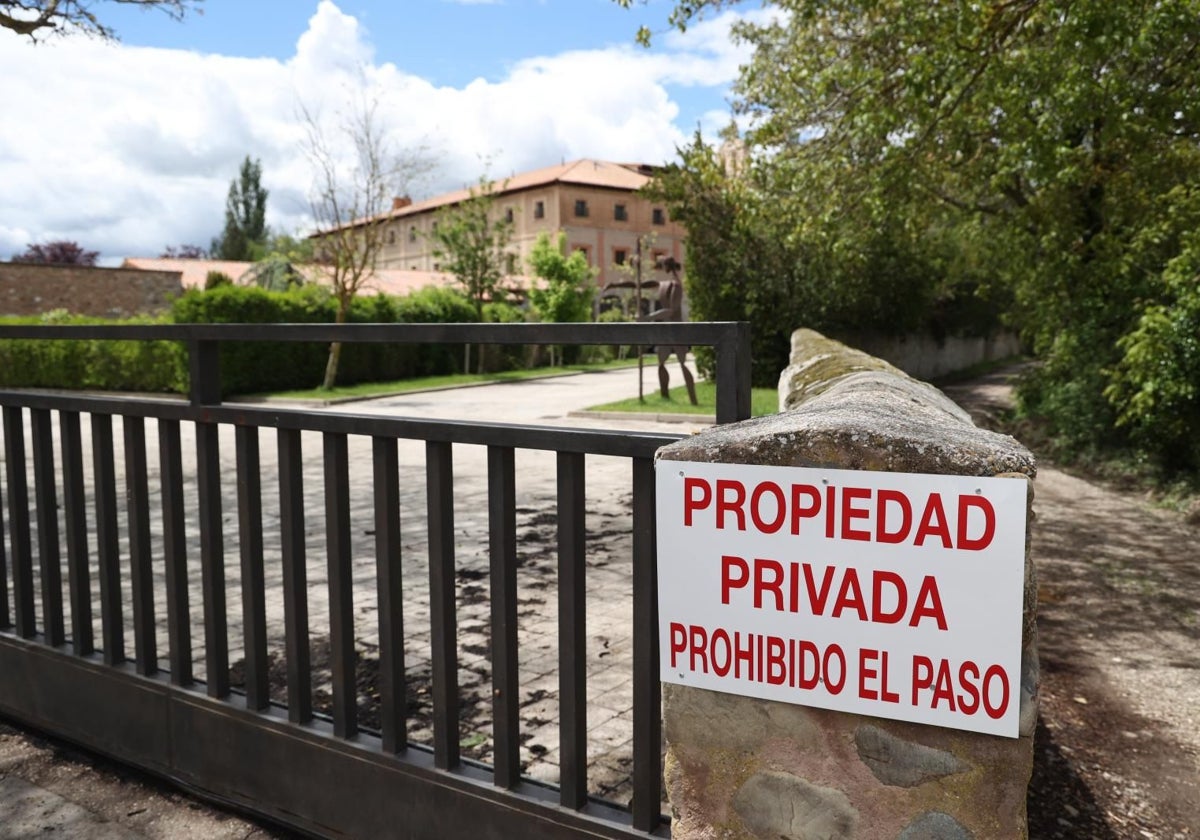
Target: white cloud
(128,149)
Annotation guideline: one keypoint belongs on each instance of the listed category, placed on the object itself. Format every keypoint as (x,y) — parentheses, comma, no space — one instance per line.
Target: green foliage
(275,273)
(1155,388)
(471,239)
(253,367)
(150,366)
(566,289)
(756,254)
(214,279)
(245,232)
(1041,155)
(566,292)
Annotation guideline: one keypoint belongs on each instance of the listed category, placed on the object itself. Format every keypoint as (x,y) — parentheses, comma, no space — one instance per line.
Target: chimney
(400,202)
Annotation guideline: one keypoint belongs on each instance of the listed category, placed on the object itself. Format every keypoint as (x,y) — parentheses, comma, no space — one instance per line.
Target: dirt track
(1119,623)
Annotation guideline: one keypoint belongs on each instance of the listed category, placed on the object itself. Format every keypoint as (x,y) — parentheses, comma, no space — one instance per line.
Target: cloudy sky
(130,147)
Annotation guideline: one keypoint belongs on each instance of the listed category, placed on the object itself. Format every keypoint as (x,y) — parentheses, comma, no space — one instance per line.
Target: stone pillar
(739,767)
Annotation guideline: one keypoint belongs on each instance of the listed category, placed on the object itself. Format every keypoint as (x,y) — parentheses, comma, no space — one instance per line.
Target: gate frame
(228,746)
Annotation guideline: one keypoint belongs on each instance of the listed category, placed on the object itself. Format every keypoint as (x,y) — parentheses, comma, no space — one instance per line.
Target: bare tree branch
(34,17)
(351,201)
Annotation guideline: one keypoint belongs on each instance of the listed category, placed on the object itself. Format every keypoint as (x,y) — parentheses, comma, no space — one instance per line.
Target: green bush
(249,366)
(504,356)
(253,367)
(91,364)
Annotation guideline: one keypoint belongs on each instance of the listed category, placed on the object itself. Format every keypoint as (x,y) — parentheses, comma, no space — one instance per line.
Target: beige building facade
(595,203)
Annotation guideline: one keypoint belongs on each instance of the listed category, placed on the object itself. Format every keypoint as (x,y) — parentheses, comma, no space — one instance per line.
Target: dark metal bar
(79,585)
(108,548)
(179,623)
(341,586)
(394,726)
(733,373)
(137,506)
(647,691)
(572,631)
(443,617)
(618,443)
(44,488)
(660,332)
(18,521)
(212,560)
(204,372)
(502,528)
(295,576)
(5,612)
(250,538)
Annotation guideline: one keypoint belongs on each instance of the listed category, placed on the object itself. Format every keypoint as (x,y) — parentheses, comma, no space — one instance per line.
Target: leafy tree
(471,238)
(1049,146)
(56,252)
(37,17)
(567,289)
(350,200)
(245,216)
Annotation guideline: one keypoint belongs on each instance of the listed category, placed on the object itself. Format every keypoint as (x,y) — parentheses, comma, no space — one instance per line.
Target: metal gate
(143,532)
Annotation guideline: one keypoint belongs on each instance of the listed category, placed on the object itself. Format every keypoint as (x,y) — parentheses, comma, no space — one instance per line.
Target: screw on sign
(889,594)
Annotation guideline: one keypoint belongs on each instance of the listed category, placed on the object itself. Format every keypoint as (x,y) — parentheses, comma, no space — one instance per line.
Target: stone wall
(739,767)
(927,357)
(84,290)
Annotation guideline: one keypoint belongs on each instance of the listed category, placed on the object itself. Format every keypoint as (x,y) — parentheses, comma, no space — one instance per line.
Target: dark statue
(670,308)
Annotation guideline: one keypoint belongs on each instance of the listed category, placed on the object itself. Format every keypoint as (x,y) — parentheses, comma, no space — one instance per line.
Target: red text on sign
(831,590)
(966,523)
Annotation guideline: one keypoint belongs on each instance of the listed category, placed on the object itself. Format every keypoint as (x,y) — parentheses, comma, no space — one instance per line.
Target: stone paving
(609,591)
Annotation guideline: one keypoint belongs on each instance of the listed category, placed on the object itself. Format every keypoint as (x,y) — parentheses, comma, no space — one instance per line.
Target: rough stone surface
(29,289)
(780,806)
(844,409)
(900,763)
(712,720)
(935,826)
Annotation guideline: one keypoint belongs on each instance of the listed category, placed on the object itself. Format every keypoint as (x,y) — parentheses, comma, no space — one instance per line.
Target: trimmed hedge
(254,367)
(91,364)
(249,367)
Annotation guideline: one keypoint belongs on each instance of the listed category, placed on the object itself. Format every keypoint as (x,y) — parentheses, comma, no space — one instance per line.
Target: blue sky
(130,147)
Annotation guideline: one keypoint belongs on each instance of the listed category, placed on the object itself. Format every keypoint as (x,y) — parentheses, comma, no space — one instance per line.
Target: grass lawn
(762,401)
(400,386)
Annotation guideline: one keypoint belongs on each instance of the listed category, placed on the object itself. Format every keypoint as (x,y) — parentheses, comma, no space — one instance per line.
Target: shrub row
(251,367)
(248,367)
(91,364)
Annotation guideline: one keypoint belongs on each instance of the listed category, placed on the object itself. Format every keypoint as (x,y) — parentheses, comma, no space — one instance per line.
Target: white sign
(888,594)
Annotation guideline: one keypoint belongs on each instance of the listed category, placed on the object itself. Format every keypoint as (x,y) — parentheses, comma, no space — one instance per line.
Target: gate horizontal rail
(323,774)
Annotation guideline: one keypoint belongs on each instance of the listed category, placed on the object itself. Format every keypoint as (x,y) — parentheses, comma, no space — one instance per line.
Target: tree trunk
(335,350)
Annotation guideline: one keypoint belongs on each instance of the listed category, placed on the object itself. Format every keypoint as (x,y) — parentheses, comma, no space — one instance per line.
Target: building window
(585,250)
(437,266)
(620,256)
(658,216)
(412,234)
(391,237)
(620,214)
(510,263)
(539,210)
(508,215)
(581,208)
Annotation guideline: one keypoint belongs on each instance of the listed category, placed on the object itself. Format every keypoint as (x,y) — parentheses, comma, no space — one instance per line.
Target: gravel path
(1119,623)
